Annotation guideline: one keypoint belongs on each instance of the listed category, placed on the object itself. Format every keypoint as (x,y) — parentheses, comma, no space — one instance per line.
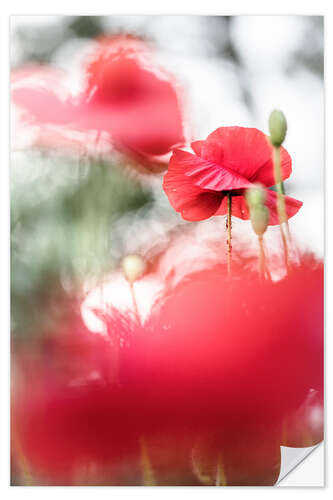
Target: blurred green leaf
(61,228)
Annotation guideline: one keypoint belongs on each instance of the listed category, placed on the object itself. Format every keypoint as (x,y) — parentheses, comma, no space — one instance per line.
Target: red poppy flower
(231,159)
(246,457)
(126,96)
(259,346)
(220,374)
(71,420)
(305,426)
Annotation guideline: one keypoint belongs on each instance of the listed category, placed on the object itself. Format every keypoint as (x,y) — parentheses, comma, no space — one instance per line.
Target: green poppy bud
(133,267)
(259,219)
(277,127)
(256,195)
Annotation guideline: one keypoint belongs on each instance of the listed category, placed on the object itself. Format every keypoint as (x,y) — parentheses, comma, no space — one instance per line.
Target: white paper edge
(291,458)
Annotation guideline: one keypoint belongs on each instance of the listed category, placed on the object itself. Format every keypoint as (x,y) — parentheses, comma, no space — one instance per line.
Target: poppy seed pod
(259,219)
(255,196)
(133,267)
(277,127)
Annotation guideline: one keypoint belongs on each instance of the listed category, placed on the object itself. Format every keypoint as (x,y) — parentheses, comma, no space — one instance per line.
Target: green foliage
(61,229)
(87,26)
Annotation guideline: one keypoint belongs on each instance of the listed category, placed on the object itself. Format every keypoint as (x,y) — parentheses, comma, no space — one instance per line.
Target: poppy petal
(248,152)
(126,95)
(250,459)
(240,209)
(292,206)
(41,93)
(203,207)
(305,426)
(197,147)
(208,151)
(208,175)
(193,202)
(265,174)
(136,101)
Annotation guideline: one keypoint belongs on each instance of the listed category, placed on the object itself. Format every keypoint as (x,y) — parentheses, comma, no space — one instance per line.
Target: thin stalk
(220,479)
(23,464)
(229,249)
(281,205)
(262,258)
(282,193)
(279,185)
(148,477)
(285,248)
(135,305)
(268,274)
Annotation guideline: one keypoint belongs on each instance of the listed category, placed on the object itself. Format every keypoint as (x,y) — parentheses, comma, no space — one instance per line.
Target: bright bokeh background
(67,229)
(75,216)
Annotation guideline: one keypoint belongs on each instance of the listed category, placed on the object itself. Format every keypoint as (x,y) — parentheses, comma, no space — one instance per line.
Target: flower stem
(135,305)
(229,250)
(147,470)
(281,205)
(262,258)
(220,479)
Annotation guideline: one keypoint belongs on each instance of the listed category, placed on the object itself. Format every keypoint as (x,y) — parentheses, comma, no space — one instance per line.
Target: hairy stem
(262,258)
(220,479)
(147,470)
(229,249)
(281,205)
(135,305)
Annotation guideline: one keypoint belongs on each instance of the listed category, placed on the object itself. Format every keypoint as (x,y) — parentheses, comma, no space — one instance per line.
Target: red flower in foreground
(126,95)
(231,159)
(221,374)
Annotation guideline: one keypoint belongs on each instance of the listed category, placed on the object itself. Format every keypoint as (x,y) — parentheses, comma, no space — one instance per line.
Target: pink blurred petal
(126,96)
(41,93)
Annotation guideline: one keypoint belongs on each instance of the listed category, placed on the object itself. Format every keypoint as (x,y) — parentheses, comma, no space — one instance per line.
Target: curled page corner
(292,457)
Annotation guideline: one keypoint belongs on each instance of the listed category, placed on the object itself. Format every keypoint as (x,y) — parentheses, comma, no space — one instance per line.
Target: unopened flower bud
(133,267)
(277,127)
(255,196)
(259,219)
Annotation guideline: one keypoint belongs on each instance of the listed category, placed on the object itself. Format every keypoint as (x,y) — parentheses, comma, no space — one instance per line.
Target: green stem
(148,477)
(220,479)
(262,258)
(135,305)
(229,250)
(281,205)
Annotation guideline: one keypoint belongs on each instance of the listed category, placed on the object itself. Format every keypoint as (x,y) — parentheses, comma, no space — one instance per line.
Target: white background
(309,472)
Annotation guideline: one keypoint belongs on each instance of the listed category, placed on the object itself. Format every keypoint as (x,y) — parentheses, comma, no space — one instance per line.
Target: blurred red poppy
(69,418)
(220,374)
(237,358)
(231,159)
(126,95)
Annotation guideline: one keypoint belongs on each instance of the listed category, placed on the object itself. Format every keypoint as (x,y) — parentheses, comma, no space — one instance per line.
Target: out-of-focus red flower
(305,426)
(64,389)
(237,353)
(143,109)
(249,456)
(231,159)
(218,376)
(126,95)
